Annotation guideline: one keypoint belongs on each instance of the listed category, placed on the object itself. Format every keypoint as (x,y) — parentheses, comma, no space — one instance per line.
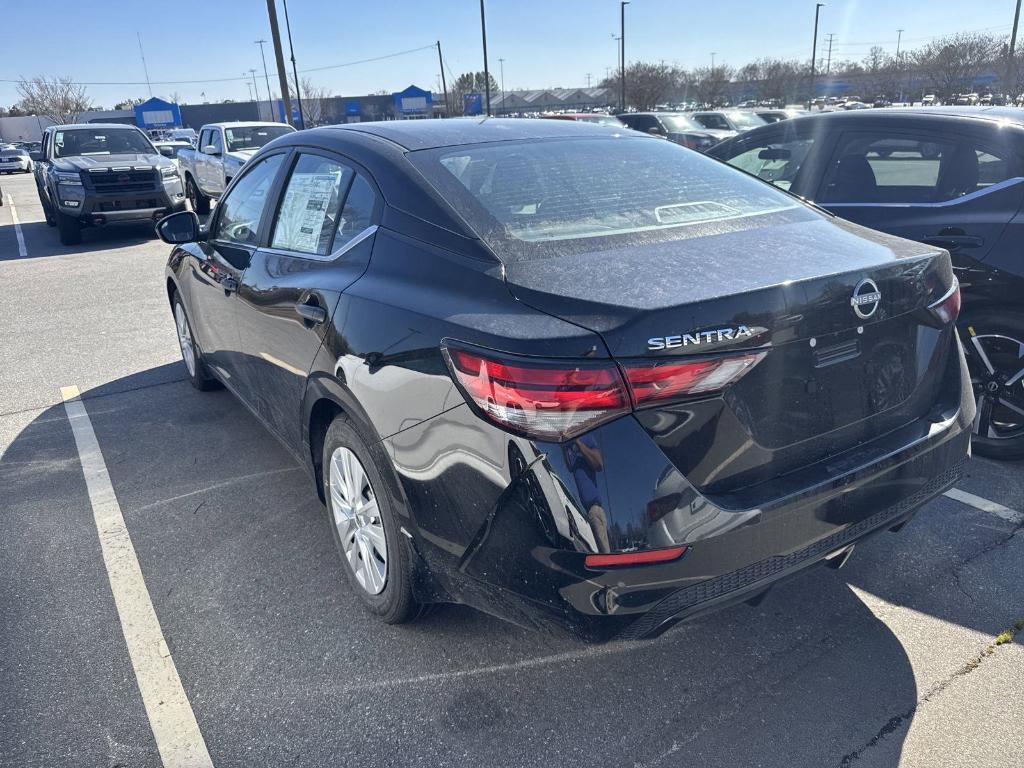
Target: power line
(236,79)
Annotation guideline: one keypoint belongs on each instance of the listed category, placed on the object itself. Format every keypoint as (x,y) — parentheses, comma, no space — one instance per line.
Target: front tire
(69,228)
(377,558)
(200,203)
(993,341)
(191,355)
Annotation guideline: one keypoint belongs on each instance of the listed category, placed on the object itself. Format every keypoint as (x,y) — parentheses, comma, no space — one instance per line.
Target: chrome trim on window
(338,253)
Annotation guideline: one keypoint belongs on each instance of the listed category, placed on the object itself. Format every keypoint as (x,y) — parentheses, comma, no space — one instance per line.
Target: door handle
(312,314)
(953,242)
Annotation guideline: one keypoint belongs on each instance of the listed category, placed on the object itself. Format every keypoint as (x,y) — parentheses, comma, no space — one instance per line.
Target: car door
(221,260)
(953,185)
(202,160)
(319,244)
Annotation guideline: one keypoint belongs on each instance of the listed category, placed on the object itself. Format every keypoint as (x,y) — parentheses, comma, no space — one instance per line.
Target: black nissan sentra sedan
(573,377)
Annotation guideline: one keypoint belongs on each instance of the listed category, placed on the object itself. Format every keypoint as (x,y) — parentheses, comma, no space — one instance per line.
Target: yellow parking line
(171,718)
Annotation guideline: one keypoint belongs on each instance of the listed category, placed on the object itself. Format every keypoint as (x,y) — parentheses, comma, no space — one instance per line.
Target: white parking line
(22,250)
(1010,515)
(171,718)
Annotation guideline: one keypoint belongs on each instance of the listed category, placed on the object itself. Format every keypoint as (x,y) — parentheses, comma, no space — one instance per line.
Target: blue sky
(545,43)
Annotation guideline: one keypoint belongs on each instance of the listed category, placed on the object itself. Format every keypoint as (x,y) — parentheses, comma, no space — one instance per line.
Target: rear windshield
(253,137)
(539,198)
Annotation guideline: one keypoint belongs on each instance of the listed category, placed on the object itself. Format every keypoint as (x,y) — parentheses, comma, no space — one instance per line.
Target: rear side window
(558,191)
(309,210)
(903,168)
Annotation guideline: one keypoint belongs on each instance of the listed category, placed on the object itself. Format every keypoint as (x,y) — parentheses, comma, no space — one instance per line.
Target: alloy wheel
(358,520)
(188,352)
(997,375)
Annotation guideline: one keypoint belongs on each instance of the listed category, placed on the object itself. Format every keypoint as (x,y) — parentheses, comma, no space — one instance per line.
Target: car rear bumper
(12,167)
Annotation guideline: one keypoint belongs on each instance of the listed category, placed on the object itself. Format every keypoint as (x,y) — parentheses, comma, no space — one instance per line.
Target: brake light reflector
(663,380)
(948,307)
(643,557)
(546,399)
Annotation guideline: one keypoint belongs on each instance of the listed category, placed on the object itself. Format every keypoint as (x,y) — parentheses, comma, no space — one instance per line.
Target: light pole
(256,90)
(899,37)
(622,62)
(501,62)
(270,95)
(1011,69)
(487,72)
(814,47)
(713,63)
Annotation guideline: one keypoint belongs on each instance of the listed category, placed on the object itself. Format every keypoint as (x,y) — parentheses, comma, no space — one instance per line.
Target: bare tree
(713,84)
(59,99)
(647,85)
(950,64)
(314,101)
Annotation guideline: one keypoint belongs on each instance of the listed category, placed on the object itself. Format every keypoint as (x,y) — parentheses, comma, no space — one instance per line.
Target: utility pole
(588,79)
(266,76)
(295,70)
(1011,69)
(282,73)
(501,63)
(622,41)
(444,85)
(814,46)
(487,72)
(713,63)
(145,69)
(899,37)
(828,61)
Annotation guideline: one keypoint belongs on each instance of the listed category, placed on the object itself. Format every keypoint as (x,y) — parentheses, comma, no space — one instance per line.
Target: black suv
(951,177)
(571,376)
(96,174)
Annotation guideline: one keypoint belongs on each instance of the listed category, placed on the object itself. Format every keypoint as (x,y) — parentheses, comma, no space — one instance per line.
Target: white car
(14,160)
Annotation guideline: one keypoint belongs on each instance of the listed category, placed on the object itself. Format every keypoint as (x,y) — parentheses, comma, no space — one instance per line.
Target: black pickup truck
(96,174)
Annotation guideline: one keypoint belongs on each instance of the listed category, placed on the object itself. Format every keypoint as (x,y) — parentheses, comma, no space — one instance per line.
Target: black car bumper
(501,522)
(92,208)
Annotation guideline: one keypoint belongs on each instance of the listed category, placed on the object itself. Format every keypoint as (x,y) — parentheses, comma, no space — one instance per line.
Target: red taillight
(558,400)
(664,380)
(643,557)
(549,399)
(948,307)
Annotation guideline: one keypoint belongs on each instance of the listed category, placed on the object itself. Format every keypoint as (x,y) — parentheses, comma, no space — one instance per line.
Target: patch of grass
(1004,637)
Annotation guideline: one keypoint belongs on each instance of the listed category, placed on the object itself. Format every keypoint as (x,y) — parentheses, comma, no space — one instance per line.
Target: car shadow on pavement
(240,564)
(42,240)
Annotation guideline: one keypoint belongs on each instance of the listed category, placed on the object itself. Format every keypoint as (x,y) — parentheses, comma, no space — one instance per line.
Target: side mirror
(35,155)
(209,149)
(166,151)
(178,228)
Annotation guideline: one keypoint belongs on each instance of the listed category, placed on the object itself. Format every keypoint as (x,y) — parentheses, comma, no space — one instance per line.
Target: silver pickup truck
(222,150)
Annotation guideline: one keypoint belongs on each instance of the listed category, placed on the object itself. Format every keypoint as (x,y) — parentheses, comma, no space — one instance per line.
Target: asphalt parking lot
(890,661)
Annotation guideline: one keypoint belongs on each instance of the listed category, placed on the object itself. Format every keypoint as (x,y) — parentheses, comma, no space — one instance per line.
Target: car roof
(240,124)
(993,114)
(90,126)
(429,134)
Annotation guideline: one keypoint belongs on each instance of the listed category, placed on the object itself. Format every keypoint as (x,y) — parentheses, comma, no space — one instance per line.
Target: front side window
(100,141)
(238,214)
(532,199)
(217,142)
(776,161)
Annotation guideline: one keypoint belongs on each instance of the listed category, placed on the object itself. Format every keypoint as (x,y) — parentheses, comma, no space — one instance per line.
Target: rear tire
(999,426)
(359,508)
(192,357)
(200,203)
(69,229)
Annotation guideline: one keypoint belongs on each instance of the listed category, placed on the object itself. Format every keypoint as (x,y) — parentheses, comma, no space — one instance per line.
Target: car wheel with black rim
(200,203)
(190,352)
(994,345)
(377,556)
(69,228)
